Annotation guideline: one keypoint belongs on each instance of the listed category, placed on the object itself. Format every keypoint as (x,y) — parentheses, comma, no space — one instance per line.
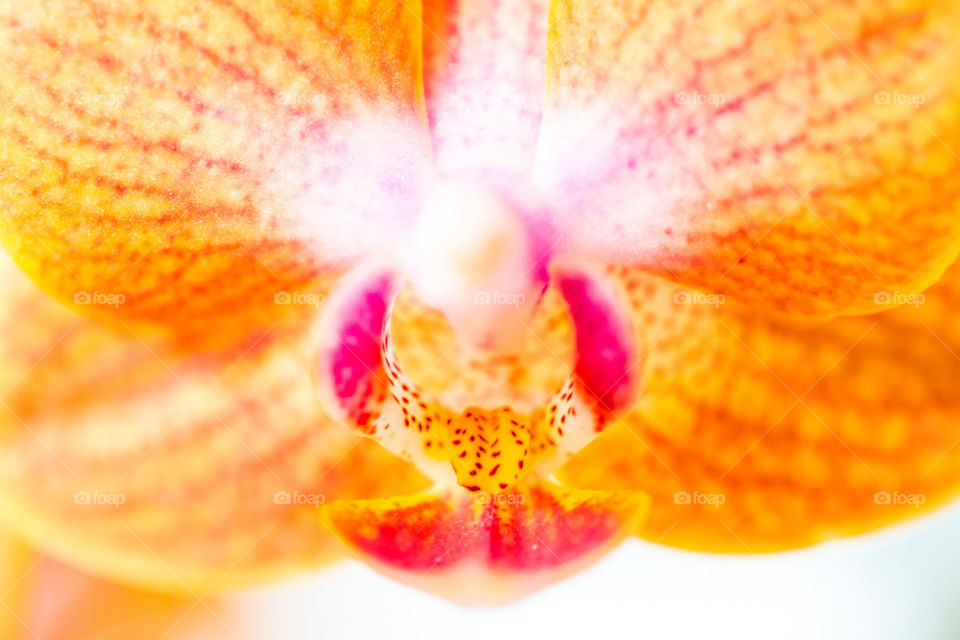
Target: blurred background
(899,583)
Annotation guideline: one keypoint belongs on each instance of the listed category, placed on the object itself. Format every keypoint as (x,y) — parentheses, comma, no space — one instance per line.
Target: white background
(903,583)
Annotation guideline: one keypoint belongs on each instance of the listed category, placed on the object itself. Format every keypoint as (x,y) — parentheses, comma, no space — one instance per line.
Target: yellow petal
(796,156)
(756,433)
(136,460)
(195,164)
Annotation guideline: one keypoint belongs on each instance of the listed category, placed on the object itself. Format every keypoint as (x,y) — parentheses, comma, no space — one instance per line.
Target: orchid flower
(472,291)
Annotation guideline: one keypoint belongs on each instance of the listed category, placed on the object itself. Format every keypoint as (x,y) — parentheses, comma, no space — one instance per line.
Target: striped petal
(195,164)
(757,433)
(797,156)
(123,454)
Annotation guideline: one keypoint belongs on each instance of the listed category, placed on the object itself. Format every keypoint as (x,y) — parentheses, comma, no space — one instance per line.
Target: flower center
(485,445)
(472,256)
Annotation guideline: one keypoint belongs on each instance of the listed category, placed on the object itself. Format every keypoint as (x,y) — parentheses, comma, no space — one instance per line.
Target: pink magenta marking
(508,536)
(604,341)
(356,355)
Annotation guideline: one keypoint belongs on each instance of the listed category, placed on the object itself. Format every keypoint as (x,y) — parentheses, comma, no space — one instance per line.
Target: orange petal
(483,548)
(483,79)
(138,461)
(756,434)
(798,156)
(15,559)
(196,164)
(57,602)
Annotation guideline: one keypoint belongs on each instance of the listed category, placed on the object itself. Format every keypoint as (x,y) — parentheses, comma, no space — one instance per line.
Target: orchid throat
(476,254)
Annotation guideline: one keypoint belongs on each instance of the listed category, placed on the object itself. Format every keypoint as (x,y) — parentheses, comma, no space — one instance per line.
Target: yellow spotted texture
(797,156)
(808,430)
(198,445)
(200,158)
(490,447)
